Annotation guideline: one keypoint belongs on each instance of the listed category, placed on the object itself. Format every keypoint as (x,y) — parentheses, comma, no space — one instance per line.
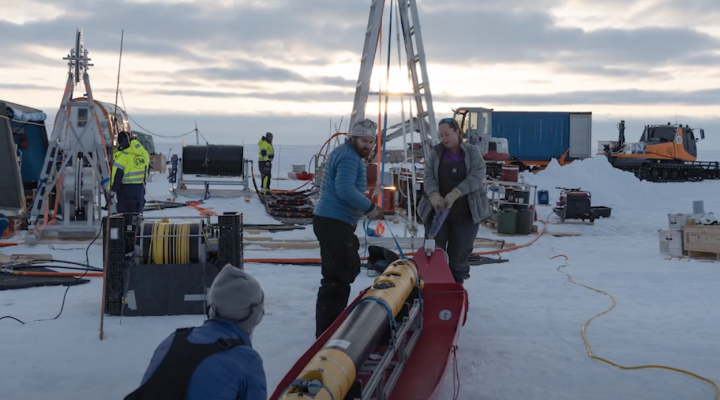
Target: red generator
(574,204)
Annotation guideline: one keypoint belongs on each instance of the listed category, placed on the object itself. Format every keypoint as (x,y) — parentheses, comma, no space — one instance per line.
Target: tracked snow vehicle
(665,153)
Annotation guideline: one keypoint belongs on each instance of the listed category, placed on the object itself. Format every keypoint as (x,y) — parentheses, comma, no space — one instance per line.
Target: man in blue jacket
(215,360)
(342,203)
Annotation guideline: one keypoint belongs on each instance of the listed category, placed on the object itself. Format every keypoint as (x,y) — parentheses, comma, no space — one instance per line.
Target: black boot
(331,302)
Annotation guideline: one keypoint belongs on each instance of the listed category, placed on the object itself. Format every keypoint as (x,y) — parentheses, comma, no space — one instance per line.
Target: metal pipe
(214,182)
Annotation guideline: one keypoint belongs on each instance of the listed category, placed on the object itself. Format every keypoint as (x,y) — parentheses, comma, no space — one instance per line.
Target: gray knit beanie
(236,296)
(364,128)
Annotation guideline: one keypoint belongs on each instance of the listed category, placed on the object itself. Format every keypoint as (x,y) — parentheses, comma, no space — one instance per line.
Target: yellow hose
(587,344)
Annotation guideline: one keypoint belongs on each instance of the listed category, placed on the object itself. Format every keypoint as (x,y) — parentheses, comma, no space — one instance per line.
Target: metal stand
(180,189)
(380,384)
(501,189)
(76,167)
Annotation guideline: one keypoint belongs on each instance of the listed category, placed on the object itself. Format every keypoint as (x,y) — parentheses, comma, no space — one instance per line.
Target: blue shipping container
(533,136)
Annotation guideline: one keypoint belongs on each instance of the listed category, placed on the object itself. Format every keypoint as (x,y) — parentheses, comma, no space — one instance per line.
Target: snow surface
(522,338)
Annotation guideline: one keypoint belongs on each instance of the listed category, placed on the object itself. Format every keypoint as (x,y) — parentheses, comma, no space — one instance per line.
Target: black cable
(85,266)
(147,131)
(78,279)
(31,266)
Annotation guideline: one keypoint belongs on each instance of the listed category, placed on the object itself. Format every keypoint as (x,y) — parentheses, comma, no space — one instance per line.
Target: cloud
(196,33)
(301,51)
(304,96)
(313,32)
(484,36)
(26,86)
(707,97)
(242,70)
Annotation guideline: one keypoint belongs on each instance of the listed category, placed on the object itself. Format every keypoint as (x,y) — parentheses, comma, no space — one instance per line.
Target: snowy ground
(522,338)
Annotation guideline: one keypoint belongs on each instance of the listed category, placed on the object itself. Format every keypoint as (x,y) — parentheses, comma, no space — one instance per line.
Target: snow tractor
(665,153)
(476,124)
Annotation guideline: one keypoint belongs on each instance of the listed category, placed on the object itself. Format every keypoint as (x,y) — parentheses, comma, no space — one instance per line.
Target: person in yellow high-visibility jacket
(266,153)
(129,174)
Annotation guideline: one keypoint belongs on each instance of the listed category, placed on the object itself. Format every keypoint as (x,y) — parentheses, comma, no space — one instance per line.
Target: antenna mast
(76,169)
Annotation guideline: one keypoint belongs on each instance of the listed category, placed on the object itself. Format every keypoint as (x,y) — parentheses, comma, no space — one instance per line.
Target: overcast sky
(244,67)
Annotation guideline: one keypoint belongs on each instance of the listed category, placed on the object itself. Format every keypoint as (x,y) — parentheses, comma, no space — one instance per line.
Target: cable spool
(213,160)
(163,243)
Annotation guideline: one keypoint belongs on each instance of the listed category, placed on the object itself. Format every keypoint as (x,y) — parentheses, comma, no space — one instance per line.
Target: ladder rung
(394,94)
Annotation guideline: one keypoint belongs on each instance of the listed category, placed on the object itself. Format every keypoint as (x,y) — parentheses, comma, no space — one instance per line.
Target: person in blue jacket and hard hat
(266,153)
(215,360)
(130,167)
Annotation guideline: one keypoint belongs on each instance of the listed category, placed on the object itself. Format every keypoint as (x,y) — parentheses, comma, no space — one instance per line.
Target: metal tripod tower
(76,169)
(417,69)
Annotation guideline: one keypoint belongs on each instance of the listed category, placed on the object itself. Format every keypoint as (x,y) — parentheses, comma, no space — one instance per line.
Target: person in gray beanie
(215,360)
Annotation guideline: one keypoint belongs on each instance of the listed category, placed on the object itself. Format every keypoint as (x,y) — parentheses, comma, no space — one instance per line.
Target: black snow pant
(340,266)
(265,174)
(457,237)
(131,198)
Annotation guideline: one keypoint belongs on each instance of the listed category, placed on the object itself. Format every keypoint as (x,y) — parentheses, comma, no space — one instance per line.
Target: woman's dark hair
(450,121)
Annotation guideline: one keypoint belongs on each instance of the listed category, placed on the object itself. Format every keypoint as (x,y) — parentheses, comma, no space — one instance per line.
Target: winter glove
(375,213)
(437,202)
(452,196)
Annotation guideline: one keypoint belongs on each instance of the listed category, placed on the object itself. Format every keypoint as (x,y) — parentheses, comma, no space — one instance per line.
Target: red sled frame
(443,305)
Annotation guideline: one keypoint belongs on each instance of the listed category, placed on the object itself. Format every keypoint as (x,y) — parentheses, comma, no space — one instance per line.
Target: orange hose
(290,190)
(540,233)
(75,274)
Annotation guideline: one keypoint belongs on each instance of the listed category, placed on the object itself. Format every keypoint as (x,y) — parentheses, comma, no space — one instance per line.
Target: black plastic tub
(601,212)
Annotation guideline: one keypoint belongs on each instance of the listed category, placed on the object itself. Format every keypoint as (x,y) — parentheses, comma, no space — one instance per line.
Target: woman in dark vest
(455,179)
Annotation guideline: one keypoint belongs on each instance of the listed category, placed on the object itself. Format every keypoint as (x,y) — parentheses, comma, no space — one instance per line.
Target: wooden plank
(564,234)
(313,244)
(24,257)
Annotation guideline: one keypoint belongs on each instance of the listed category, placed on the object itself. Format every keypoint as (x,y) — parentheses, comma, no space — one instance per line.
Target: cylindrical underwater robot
(333,370)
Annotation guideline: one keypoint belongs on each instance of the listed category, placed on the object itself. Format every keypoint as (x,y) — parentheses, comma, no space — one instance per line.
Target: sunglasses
(451,121)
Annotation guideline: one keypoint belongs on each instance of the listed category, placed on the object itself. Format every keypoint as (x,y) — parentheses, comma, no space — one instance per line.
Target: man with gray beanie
(342,203)
(215,360)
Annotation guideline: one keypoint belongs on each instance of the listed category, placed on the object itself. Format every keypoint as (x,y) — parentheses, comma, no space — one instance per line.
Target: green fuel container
(525,221)
(507,222)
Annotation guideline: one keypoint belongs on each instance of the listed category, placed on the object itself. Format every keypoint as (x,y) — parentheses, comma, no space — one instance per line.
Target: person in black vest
(455,179)
(215,360)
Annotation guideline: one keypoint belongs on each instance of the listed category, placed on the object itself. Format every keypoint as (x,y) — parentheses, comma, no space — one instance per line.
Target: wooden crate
(158,162)
(701,238)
